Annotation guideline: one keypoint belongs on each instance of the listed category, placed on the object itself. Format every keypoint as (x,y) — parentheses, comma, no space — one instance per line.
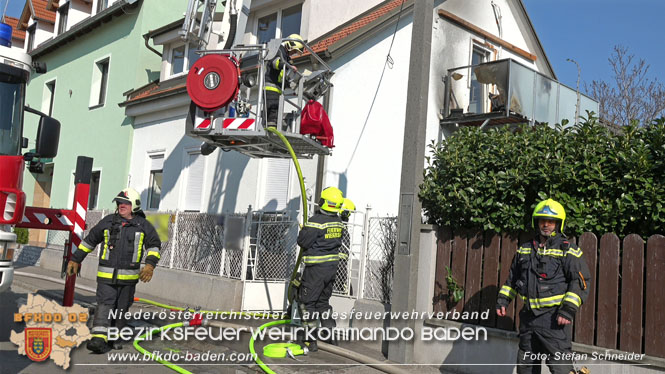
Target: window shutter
(157,162)
(276,191)
(194,188)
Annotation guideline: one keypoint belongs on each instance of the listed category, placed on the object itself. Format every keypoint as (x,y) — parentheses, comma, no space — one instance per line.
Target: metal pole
(577,106)
(174,243)
(405,284)
(363,254)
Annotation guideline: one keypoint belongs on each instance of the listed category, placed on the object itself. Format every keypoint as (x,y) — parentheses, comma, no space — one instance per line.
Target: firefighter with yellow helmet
(550,274)
(320,239)
(275,74)
(126,239)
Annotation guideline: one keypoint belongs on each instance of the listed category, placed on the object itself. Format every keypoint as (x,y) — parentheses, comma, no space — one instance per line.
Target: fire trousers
(542,338)
(314,294)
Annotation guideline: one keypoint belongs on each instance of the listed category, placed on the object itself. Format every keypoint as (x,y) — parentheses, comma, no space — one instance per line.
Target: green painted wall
(103,133)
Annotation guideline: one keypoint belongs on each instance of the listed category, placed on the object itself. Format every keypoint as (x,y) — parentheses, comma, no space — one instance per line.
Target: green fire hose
(271,350)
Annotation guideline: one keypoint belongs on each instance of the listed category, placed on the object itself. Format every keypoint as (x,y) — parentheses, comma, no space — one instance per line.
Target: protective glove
(72,268)
(146,273)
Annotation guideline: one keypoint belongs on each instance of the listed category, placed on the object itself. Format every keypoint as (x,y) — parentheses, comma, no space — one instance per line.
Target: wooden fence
(626,305)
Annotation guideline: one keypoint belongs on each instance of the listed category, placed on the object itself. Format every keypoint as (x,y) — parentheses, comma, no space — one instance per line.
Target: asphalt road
(85,362)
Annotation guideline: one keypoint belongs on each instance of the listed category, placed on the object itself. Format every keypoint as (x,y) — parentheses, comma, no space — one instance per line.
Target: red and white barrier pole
(81,194)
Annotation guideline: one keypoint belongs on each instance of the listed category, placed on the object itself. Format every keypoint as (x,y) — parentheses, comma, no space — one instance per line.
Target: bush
(493,179)
(21,235)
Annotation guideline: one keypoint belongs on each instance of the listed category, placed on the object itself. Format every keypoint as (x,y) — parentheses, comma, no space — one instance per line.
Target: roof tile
(16,33)
(41,11)
(324,44)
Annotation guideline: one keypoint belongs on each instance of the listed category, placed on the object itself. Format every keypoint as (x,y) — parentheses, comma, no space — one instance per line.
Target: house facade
(367,104)
(94,51)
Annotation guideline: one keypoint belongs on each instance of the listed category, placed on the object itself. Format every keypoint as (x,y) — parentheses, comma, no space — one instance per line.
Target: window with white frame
(63,12)
(155,181)
(477,91)
(31,37)
(276,184)
(94,189)
(93,196)
(48,97)
(194,183)
(181,58)
(102,4)
(100,77)
(279,24)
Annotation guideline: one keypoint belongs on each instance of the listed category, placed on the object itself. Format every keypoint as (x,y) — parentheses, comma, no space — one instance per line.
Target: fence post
(363,253)
(245,246)
(174,243)
(223,260)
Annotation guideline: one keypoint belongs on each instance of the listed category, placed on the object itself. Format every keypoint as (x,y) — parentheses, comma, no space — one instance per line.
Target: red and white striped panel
(47,219)
(202,124)
(239,124)
(81,195)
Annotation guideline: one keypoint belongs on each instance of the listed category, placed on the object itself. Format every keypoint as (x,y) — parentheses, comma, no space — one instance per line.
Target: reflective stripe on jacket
(121,253)
(321,239)
(554,275)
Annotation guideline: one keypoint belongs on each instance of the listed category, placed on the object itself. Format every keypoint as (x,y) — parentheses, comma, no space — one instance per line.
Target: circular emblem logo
(211,80)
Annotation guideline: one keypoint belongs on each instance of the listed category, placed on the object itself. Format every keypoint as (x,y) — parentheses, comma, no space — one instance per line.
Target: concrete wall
(212,292)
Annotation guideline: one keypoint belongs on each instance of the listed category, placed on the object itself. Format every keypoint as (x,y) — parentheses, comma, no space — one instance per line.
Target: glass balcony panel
(567,103)
(588,104)
(521,87)
(546,97)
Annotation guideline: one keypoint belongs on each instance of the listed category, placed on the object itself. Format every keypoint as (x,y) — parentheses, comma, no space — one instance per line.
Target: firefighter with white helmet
(275,74)
(321,239)
(549,273)
(126,239)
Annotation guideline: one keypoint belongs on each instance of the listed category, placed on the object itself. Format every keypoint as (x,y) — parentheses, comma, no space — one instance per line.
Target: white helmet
(129,195)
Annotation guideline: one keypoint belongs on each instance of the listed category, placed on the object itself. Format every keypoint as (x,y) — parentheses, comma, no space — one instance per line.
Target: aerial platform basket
(223,85)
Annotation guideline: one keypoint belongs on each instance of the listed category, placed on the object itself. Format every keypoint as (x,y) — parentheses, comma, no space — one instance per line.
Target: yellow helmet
(331,199)
(347,207)
(294,45)
(129,196)
(549,209)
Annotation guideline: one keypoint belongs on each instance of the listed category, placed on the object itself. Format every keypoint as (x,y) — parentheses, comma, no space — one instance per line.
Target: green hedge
(21,235)
(493,179)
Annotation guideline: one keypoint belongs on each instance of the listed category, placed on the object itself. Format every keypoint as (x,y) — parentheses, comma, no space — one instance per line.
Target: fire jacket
(321,238)
(124,244)
(275,70)
(548,277)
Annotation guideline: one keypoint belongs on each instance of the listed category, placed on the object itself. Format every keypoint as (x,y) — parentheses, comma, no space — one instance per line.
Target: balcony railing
(506,91)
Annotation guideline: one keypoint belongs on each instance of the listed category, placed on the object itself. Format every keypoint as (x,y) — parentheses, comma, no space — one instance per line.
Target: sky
(588,30)
(583,30)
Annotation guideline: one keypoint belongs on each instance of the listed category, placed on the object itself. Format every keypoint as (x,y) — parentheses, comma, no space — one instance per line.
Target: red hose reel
(212,82)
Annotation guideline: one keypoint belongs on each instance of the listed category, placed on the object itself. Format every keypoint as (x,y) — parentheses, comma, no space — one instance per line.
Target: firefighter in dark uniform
(321,239)
(126,238)
(549,273)
(275,75)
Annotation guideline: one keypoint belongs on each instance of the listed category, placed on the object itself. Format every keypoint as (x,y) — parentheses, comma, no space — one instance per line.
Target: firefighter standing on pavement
(126,238)
(321,239)
(275,75)
(549,273)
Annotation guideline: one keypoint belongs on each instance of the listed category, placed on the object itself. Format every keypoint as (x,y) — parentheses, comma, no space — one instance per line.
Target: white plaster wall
(319,16)
(374,172)
(374,175)
(325,15)
(78,11)
(232,181)
(43,32)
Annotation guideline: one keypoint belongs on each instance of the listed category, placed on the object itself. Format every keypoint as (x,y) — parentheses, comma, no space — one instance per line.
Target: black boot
(97,345)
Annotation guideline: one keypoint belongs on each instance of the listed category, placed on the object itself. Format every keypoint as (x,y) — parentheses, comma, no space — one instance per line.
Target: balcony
(507,92)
